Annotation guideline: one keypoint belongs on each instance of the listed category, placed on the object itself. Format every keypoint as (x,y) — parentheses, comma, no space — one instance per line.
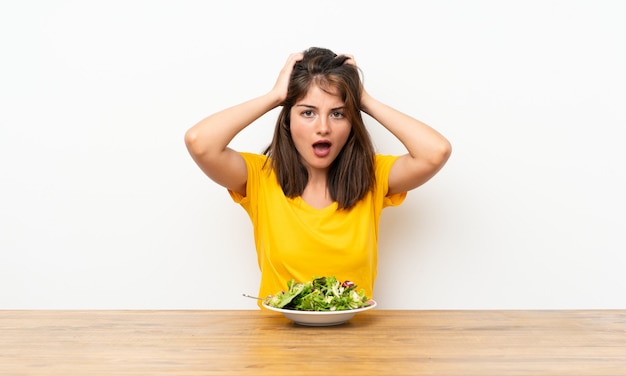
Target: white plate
(320,318)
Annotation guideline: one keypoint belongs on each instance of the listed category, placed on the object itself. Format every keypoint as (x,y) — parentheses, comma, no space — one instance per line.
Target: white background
(102,207)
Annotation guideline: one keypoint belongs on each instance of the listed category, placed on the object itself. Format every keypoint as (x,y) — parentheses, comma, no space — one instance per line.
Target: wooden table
(376,342)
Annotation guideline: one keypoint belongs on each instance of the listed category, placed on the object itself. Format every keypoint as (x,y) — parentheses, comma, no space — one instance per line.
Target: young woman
(315,196)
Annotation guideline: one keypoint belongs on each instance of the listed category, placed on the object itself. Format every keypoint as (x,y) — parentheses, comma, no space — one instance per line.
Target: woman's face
(319,128)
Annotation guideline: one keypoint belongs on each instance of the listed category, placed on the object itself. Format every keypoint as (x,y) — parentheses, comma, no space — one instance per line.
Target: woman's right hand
(208,140)
(282,83)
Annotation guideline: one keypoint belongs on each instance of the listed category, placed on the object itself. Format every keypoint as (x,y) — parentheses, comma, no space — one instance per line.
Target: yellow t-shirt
(296,241)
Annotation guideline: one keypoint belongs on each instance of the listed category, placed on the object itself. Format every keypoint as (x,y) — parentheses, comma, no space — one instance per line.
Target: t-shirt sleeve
(236,196)
(383,168)
(254,163)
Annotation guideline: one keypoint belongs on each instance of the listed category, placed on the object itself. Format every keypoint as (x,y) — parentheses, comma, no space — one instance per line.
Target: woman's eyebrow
(315,107)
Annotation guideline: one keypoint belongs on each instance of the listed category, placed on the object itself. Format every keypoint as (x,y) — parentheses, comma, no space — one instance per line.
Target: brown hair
(351,175)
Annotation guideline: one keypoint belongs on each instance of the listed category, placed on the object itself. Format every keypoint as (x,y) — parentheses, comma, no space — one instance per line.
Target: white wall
(102,207)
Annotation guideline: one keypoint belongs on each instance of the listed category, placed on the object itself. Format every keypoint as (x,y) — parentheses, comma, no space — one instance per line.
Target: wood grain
(376,342)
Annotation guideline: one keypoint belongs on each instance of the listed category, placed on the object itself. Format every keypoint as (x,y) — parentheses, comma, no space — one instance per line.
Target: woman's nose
(323,126)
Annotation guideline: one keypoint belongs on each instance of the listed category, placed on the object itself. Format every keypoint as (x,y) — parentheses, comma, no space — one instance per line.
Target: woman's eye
(307,113)
(337,114)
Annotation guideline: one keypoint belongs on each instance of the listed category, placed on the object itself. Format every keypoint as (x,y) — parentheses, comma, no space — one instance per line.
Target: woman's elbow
(192,142)
(442,153)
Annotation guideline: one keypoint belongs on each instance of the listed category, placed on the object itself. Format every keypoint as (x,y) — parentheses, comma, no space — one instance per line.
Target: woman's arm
(208,140)
(428,150)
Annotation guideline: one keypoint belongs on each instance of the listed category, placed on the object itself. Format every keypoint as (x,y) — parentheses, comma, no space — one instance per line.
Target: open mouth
(321,148)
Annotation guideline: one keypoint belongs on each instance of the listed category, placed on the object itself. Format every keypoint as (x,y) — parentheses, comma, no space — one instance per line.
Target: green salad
(320,294)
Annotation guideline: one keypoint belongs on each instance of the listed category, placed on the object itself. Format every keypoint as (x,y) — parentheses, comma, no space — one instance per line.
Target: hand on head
(282,82)
(350,59)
